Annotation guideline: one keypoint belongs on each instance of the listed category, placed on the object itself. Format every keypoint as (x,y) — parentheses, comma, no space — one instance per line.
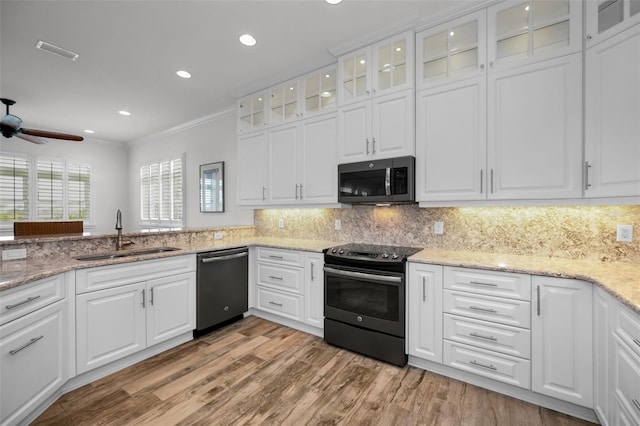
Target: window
(43,189)
(161,189)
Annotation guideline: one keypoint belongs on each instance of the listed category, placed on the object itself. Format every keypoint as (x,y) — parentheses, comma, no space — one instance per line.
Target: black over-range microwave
(386,181)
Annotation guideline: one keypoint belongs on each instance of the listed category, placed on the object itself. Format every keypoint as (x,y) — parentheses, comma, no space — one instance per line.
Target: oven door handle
(387,181)
(372,277)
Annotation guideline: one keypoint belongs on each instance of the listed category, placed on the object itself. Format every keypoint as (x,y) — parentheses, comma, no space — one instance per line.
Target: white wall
(109,167)
(209,142)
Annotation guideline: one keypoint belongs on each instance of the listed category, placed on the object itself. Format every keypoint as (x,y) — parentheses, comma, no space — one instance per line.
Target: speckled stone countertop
(620,279)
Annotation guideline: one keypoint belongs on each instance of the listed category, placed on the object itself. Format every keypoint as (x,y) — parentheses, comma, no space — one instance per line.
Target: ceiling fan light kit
(10,126)
(56,50)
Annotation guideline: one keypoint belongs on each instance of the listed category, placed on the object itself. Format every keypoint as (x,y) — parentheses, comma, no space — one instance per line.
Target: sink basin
(127,253)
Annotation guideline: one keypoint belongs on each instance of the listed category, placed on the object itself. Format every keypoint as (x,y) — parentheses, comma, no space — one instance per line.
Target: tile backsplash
(587,232)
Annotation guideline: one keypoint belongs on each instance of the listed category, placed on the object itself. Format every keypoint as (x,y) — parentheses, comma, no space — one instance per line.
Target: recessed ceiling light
(183,74)
(247,40)
(88,131)
(123,112)
(57,50)
(333,1)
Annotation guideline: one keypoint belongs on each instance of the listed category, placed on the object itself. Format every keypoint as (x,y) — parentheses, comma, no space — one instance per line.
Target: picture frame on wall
(212,187)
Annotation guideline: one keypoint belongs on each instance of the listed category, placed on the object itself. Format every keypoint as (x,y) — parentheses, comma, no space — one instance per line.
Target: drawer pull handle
(26,345)
(143,299)
(424,290)
(275,278)
(276,304)
(275,257)
(490,367)
(483,337)
(636,403)
(636,341)
(481,283)
(475,308)
(28,299)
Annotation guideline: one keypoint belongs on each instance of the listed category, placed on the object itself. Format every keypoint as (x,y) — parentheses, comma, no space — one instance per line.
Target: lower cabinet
(561,332)
(602,307)
(35,351)
(136,311)
(424,307)
(314,289)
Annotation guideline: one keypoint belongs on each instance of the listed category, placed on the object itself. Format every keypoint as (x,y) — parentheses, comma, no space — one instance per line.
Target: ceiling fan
(10,126)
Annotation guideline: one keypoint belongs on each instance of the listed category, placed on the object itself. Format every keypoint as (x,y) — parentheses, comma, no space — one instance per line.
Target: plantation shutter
(161,189)
(14,188)
(78,192)
(145,193)
(176,190)
(50,190)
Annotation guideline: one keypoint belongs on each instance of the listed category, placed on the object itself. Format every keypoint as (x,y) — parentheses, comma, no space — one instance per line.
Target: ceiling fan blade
(32,139)
(53,135)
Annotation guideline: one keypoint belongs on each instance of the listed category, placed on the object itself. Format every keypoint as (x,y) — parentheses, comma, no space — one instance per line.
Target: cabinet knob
(226,308)
(491,64)
(481,66)
(588,37)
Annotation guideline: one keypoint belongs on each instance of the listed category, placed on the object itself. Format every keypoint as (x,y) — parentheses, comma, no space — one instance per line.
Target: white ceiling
(130,50)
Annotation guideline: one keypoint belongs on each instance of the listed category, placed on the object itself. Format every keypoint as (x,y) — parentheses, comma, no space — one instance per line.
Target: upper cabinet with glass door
(252,112)
(382,68)
(452,51)
(284,103)
(319,91)
(529,31)
(606,18)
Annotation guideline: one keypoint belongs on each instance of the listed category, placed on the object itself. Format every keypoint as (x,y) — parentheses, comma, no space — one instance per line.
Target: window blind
(50,192)
(78,192)
(161,189)
(14,188)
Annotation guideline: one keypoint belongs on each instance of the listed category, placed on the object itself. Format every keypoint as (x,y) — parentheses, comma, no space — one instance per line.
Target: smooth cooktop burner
(372,252)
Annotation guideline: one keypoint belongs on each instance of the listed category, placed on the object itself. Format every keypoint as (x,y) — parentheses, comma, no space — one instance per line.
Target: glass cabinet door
(393,63)
(251,112)
(452,50)
(606,18)
(534,28)
(319,91)
(355,76)
(284,102)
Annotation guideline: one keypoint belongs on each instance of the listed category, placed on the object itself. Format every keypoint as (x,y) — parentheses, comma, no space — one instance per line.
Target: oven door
(365,298)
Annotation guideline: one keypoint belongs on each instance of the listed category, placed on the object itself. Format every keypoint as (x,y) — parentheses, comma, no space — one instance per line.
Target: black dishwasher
(222,286)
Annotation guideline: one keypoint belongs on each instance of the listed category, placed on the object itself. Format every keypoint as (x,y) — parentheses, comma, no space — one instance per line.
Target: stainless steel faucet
(119,242)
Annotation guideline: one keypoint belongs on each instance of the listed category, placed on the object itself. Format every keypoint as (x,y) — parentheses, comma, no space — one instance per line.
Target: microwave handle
(387,182)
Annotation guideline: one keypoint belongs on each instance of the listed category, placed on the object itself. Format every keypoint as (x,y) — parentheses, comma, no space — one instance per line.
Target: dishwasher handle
(221,258)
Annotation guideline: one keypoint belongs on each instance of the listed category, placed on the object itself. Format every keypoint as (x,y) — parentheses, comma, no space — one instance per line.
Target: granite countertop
(620,279)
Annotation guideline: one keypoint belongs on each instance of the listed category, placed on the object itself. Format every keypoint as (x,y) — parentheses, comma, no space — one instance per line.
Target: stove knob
(385,256)
(341,252)
(334,250)
(394,256)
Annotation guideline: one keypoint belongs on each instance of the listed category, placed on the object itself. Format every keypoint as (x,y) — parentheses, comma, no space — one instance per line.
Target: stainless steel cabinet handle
(490,367)
(481,180)
(538,294)
(151,298)
(264,189)
(424,289)
(371,277)
(373,146)
(297,191)
(483,337)
(26,345)
(143,298)
(219,258)
(587,166)
(27,300)
(367,146)
(313,278)
(275,257)
(491,174)
(636,403)
(475,308)
(301,191)
(275,278)
(387,181)
(276,304)
(485,284)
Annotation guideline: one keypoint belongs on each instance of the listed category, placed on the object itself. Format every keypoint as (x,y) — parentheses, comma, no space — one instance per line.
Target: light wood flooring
(257,372)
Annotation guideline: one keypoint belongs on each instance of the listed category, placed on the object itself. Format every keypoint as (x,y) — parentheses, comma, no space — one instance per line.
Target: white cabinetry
(612,108)
(561,329)
(289,285)
(36,345)
(606,18)
(252,169)
(252,112)
(486,324)
(602,308)
(479,133)
(376,101)
(424,303)
(123,309)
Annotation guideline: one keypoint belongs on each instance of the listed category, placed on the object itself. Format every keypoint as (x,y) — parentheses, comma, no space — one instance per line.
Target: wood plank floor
(257,372)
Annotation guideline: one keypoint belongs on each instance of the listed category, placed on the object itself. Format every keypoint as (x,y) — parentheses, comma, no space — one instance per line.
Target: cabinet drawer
(627,326)
(491,283)
(110,276)
(283,304)
(504,368)
(283,257)
(512,312)
(626,378)
(512,341)
(33,360)
(281,277)
(22,300)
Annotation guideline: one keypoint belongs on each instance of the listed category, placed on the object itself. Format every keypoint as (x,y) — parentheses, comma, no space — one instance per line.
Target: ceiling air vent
(48,47)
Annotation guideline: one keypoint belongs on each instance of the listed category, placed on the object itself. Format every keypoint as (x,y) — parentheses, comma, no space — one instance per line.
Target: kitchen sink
(128,253)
